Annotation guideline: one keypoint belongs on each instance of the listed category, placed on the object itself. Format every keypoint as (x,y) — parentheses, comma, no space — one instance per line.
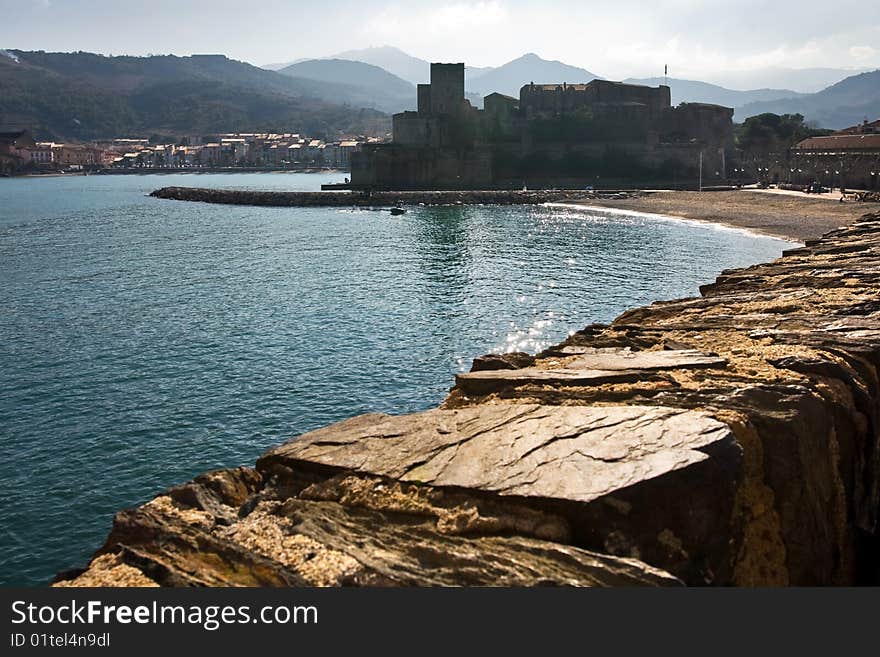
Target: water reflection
(442,244)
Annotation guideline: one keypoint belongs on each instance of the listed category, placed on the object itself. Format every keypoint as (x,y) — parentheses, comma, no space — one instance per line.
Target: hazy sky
(615,39)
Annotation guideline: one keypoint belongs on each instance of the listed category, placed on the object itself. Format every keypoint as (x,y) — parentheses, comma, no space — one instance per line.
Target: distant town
(20,153)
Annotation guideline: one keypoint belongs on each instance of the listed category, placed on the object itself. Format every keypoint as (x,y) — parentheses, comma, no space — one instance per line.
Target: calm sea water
(144,341)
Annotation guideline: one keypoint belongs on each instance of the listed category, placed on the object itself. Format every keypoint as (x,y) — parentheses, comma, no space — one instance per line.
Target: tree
(768,133)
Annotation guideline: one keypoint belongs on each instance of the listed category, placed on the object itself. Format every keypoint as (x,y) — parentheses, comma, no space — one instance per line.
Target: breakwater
(728,439)
(361,199)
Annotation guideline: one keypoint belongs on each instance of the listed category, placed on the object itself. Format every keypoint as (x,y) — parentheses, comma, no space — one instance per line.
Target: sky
(614,39)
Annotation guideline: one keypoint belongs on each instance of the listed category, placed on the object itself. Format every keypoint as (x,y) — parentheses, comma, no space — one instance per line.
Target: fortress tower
(445,93)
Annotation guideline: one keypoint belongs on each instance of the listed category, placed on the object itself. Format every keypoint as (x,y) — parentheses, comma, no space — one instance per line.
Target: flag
(665,69)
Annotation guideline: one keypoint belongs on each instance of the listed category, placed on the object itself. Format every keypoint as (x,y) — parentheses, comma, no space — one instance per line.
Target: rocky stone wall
(730,439)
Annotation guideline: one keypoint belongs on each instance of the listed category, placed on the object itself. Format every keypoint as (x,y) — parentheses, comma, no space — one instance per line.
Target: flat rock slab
(624,359)
(591,367)
(568,453)
(484,382)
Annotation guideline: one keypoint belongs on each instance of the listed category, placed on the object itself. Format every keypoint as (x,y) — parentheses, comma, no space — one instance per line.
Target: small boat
(397,211)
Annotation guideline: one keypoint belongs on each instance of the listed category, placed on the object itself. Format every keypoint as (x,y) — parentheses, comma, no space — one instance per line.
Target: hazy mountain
(694,91)
(802,80)
(510,78)
(366,85)
(841,105)
(82,95)
(279,65)
(471,73)
(395,61)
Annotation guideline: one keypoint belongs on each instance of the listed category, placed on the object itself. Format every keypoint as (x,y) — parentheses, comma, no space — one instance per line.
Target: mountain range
(703,92)
(360,83)
(840,105)
(416,70)
(395,61)
(846,103)
(83,95)
(835,98)
(509,78)
(802,80)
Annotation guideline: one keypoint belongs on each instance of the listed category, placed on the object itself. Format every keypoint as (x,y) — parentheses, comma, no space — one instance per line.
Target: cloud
(614,39)
(468,15)
(458,19)
(862,52)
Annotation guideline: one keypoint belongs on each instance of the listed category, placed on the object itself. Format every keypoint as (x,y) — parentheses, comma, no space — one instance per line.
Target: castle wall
(572,131)
(539,99)
(424,98)
(447,88)
(411,128)
(391,166)
(707,123)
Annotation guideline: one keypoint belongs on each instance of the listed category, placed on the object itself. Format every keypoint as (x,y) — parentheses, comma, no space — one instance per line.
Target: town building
(19,152)
(598,132)
(42,155)
(77,155)
(14,149)
(849,158)
(346,148)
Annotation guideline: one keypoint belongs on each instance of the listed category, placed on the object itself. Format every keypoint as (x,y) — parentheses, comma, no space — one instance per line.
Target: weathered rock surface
(730,439)
(571,453)
(588,367)
(313,540)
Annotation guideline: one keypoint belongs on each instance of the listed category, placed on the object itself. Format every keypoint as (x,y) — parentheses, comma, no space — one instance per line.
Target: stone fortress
(599,133)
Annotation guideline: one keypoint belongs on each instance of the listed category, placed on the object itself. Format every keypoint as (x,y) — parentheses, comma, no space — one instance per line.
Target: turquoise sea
(144,341)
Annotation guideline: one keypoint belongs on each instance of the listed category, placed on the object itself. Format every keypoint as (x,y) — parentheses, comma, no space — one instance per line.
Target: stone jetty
(729,439)
(373,199)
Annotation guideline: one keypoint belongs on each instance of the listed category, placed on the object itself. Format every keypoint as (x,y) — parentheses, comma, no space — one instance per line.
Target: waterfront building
(312,150)
(210,154)
(849,158)
(561,134)
(234,149)
(14,147)
(346,148)
(42,155)
(77,155)
(330,155)
(18,151)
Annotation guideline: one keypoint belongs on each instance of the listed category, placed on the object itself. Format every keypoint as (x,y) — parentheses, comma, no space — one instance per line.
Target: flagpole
(701,171)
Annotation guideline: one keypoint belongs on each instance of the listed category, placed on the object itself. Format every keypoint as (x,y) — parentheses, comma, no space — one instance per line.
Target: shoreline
(718,225)
(788,217)
(172,171)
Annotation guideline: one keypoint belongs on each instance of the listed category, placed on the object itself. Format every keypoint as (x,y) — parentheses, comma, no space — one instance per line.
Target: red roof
(840,142)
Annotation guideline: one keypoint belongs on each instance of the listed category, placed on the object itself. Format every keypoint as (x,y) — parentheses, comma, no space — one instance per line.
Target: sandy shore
(792,217)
